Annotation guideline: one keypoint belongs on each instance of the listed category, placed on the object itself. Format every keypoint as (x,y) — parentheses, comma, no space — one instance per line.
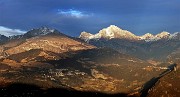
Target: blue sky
(74,16)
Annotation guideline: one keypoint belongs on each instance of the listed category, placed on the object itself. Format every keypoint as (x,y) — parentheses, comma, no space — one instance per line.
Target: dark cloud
(74,16)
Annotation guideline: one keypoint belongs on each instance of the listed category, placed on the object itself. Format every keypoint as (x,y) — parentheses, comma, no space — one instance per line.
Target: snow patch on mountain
(35,33)
(40,31)
(147,37)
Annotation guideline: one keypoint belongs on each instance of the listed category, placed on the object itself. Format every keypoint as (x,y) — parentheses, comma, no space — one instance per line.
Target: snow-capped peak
(175,35)
(85,35)
(108,33)
(147,36)
(163,35)
(115,32)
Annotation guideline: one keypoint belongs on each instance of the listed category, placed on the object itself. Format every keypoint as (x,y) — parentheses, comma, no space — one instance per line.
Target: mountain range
(159,48)
(113,61)
(114,32)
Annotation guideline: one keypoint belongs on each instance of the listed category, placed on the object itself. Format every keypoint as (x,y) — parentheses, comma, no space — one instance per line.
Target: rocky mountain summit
(3,38)
(42,38)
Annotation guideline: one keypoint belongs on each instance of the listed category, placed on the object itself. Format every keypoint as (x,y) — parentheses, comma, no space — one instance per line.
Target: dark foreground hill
(167,86)
(27,90)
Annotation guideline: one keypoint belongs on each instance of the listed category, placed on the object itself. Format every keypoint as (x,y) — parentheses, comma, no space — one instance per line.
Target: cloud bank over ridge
(10,32)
